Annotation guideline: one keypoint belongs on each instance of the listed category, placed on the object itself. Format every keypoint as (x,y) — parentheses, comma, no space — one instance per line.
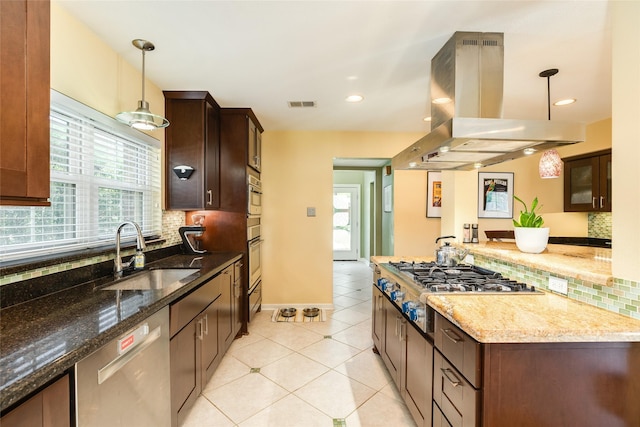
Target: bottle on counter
(139,260)
(467,233)
(474,233)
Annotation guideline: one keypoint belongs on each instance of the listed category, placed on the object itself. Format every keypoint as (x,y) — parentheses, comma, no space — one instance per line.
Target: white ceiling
(262,54)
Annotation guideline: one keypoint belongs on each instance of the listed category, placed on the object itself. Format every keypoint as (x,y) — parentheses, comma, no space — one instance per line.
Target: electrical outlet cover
(559,285)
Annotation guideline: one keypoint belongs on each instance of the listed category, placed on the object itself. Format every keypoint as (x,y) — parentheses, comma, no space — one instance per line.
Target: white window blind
(102,173)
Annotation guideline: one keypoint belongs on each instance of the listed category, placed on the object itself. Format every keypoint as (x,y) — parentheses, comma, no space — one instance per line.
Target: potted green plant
(531,236)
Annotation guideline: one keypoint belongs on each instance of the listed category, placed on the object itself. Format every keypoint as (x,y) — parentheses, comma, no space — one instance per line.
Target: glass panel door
(346,230)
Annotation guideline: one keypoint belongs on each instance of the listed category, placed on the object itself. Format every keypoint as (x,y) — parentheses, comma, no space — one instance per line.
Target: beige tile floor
(306,374)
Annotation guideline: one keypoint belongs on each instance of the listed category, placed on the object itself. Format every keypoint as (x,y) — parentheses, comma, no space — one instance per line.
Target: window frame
(87,184)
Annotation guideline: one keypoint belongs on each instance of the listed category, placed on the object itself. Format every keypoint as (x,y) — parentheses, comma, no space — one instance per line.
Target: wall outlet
(558,285)
(311,211)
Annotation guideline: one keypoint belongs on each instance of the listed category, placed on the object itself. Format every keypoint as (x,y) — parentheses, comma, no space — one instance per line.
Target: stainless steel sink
(155,279)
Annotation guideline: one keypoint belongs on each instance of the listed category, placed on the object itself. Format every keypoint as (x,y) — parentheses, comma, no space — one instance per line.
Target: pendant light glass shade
(142,118)
(550,165)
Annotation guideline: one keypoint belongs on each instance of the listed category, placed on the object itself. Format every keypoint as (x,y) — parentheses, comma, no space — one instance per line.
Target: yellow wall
(298,173)
(84,68)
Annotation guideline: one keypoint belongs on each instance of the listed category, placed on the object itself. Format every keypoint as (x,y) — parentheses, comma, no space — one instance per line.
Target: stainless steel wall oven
(254,251)
(254,197)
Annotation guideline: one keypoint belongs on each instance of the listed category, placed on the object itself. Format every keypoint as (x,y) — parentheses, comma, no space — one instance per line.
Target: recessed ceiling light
(529,151)
(427,119)
(477,165)
(565,101)
(441,100)
(354,98)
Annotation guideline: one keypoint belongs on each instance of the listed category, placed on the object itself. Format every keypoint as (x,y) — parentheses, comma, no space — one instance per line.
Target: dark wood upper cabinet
(192,139)
(239,131)
(587,182)
(24,102)
(255,146)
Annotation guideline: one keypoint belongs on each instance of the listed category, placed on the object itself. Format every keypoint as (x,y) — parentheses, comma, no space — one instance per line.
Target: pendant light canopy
(142,118)
(550,165)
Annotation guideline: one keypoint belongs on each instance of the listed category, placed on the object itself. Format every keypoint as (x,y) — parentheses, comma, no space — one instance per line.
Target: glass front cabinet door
(587,182)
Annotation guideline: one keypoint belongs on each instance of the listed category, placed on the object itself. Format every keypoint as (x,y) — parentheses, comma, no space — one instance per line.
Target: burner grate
(462,278)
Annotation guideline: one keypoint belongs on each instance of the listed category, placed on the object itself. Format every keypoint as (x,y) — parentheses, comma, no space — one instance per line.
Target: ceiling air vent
(302,104)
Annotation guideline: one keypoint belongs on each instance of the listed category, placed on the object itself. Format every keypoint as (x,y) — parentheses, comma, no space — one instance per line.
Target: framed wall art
(434,194)
(495,195)
(388,199)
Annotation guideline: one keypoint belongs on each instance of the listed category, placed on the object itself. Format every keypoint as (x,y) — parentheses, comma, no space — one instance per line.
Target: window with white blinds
(102,173)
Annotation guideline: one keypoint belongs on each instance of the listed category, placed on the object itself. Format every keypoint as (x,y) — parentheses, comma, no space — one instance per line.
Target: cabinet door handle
(452,336)
(601,202)
(401,336)
(206,324)
(593,202)
(209,197)
(200,334)
(446,372)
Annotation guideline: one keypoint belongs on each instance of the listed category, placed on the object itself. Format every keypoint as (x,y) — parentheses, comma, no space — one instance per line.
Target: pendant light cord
(548,73)
(143,52)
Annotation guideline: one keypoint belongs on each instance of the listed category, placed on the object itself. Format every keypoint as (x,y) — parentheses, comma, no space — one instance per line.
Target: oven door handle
(255,242)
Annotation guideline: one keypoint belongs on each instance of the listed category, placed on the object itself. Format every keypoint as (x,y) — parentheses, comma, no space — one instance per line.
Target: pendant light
(550,165)
(142,118)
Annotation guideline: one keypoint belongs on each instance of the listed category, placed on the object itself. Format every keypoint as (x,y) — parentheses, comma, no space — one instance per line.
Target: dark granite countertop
(42,338)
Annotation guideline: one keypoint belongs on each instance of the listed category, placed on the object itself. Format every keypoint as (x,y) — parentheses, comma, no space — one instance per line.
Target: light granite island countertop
(532,318)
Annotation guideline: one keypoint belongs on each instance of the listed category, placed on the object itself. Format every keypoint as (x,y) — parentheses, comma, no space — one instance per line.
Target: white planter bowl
(531,240)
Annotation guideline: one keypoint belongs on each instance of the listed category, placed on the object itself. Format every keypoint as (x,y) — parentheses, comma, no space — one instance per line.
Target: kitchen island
(503,360)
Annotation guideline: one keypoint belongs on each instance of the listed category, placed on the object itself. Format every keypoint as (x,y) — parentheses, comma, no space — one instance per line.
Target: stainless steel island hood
(467,128)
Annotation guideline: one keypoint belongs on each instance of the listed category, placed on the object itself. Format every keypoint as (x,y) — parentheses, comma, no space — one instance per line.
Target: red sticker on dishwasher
(126,342)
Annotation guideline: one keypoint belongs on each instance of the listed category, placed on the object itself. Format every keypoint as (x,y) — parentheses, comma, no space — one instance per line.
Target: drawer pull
(446,372)
(452,336)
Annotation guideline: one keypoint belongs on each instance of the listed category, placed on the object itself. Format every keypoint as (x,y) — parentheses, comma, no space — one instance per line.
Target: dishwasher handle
(119,362)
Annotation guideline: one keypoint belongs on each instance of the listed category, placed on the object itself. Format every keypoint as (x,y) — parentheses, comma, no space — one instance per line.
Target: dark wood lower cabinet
(418,376)
(562,384)
(225,326)
(377,317)
(407,354)
(393,350)
(201,332)
(186,381)
(48,408)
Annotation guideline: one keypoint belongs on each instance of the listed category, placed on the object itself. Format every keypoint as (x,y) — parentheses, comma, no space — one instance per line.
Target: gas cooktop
(462,278)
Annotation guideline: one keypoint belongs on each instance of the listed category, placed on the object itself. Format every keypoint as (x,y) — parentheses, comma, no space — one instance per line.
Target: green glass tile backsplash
(623,297)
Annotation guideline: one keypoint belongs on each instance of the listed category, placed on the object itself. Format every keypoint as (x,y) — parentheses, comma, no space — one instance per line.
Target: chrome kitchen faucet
(137,260)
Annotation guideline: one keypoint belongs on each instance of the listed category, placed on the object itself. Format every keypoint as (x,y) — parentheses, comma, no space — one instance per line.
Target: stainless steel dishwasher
(127,381)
